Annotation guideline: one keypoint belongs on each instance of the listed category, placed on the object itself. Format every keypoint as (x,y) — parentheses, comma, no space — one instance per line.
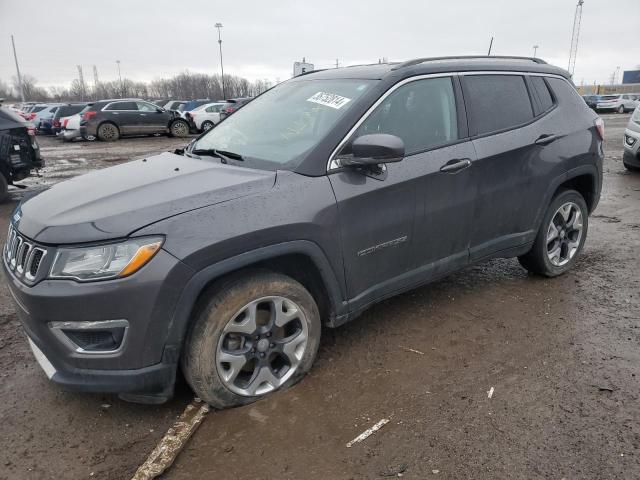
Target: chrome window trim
(331,162)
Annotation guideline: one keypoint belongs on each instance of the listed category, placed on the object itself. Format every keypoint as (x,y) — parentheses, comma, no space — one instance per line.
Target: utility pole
(535,50)
(81,80)
(15,57)
(219,26)
(95,81)
(490,45)
(575,35)
(337,63)
(120,77)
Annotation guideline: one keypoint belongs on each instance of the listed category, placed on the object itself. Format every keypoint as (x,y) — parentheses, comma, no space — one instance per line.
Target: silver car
(631,157)
(619,102)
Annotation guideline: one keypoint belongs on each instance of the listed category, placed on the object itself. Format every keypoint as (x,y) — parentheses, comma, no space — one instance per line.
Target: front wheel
(621,109)
(179,128)
(252,334)
(561,236)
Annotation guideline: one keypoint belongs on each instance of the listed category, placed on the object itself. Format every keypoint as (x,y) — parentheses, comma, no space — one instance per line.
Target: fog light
(102,337)
(631,141)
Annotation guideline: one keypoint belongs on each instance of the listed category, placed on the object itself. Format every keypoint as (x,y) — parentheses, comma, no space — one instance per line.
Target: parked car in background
(631,156)
(62,112)
(233,105)
(31,111)
(205,117)
(111,119)
(591,100)
(71,127)
(190,105)
(43,121)
(173,104)
(619,103)
(19,151)
(325,195)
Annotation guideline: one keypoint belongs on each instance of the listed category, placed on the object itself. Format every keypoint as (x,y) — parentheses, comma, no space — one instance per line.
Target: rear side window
(496,102)
(422,113)
(542,94)
(566,93)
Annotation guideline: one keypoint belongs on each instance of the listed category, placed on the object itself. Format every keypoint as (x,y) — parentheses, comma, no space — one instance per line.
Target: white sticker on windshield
(329,100)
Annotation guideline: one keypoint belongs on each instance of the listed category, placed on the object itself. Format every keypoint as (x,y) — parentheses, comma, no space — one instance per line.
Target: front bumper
(146,363)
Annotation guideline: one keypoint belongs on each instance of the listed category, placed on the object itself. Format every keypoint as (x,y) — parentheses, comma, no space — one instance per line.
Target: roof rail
(417,61)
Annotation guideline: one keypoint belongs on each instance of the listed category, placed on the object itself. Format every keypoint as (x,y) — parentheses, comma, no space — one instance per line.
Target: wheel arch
(302,260)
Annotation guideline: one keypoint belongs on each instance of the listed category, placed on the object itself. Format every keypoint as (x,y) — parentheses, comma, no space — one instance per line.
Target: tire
(179,128)
(207,125)
(571,233)
(263,365)
(108,132)
(4,189)
(621,109)
(631,168)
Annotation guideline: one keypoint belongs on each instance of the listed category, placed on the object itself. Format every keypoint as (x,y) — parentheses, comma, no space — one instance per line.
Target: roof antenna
(490,45)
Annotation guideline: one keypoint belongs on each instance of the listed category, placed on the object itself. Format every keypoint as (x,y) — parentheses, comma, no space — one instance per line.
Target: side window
(541,92)
(145,107)
(496,102)
(565,92)
(422,113)
(122,106)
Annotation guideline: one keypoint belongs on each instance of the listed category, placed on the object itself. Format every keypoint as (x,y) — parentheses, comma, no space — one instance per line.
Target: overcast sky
(262,39)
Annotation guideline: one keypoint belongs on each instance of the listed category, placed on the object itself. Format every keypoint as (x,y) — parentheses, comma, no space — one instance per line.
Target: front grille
(23,257)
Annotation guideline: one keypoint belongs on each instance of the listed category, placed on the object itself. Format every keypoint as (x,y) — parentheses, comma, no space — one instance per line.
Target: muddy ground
(561,355)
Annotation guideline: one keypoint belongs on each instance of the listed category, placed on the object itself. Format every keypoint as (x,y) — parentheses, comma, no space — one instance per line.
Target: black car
(19,151)
(233,105)
(64,111)
(111,119)
(326,194)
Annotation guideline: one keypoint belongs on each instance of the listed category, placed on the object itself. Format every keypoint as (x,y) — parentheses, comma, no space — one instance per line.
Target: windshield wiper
(223,155)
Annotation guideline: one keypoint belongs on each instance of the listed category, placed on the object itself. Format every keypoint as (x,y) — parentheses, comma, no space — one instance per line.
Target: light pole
(219,26)
(15,57)
(535,50)
(120,77)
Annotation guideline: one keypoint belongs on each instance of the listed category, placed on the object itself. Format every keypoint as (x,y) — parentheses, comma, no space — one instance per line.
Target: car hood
(114,202)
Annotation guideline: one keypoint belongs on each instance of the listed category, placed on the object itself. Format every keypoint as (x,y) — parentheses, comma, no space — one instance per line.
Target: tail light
(89,115)
(31,130)
(600,126)
(64,124)
(31,116)
(56,123)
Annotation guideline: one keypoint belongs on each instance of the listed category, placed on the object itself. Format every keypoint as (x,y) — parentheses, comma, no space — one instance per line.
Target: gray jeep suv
(324,195)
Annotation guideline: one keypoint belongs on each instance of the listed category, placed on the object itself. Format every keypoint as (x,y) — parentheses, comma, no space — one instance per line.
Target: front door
(400,228)
(150,120)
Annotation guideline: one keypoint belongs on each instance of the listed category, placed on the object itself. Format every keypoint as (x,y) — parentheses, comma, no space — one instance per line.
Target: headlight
(101,262)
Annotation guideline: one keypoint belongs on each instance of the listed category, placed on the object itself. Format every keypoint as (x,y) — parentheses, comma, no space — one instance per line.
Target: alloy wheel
(179,129)
(262,345)
(564,234)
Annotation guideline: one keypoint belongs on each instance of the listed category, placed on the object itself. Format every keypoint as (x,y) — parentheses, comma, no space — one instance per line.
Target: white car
(206,116)
(71,127)
(619,102)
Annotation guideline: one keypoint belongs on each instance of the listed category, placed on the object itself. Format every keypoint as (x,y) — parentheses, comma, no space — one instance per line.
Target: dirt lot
(561,355)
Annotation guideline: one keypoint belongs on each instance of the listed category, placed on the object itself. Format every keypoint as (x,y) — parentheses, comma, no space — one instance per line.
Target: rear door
(413,221)
(508,169)
(125,115)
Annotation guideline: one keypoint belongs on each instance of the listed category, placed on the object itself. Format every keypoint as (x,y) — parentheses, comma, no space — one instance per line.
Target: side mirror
(159,110)
(374,149)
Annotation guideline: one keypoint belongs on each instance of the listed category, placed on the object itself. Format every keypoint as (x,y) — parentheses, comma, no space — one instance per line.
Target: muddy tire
(252,334)
(108,132)
(561,236)
(207,125)
(4,189)
(179,128)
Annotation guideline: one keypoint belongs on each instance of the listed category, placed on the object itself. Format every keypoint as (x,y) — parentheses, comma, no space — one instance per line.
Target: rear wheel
(108,132)
(252,334)
(207,125)
(621,109)
(561,236)
(179,128)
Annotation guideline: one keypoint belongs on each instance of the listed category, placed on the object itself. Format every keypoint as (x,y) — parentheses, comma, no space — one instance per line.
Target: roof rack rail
(417,61)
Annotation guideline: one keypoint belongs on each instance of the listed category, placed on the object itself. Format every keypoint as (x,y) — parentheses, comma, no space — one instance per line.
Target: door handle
(455,165)
(545,139)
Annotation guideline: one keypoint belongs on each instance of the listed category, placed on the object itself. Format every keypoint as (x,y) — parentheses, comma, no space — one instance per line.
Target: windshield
(275,130)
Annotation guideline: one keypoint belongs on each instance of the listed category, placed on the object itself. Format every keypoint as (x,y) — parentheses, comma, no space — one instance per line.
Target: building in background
(631,76)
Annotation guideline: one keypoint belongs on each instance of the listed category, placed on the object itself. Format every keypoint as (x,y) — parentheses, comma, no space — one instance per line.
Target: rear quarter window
(496,102)
(542,94)
(566,93)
